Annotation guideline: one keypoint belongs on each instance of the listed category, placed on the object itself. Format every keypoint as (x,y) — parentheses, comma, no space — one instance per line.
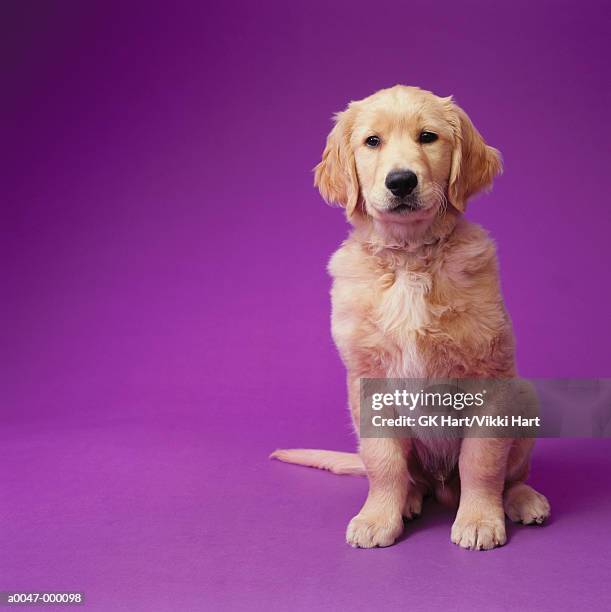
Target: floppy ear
(335,176)
(474,163)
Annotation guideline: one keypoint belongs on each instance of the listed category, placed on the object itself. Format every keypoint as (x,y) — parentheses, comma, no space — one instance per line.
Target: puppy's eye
(373,142)
(426,137)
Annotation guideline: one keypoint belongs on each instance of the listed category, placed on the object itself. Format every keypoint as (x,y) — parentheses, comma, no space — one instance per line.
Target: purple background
(165,303)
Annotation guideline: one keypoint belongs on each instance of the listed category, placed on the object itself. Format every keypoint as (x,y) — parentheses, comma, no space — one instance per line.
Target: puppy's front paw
(524,505)
(367,530)
(479,533)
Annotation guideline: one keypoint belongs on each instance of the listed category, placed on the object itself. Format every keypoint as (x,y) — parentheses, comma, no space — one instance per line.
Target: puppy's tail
(334,461)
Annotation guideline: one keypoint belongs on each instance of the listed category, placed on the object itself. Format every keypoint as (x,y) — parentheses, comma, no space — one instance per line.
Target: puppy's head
(402,154)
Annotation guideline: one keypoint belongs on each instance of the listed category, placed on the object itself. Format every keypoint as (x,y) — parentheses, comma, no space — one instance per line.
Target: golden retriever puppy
(416,295)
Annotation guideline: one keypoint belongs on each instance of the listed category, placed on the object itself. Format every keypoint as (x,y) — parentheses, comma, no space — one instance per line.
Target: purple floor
(169,513)
(165,310)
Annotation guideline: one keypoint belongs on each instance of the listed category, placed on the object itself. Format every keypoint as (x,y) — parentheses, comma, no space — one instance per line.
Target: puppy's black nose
(401,182)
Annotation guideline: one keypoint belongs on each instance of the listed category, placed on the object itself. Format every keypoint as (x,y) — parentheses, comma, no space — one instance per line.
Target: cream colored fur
(417,295)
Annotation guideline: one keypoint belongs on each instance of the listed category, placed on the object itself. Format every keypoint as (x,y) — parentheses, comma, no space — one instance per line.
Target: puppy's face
(401,155)
(402,148)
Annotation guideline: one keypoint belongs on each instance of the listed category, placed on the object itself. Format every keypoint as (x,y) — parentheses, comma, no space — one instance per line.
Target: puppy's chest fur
(435,313)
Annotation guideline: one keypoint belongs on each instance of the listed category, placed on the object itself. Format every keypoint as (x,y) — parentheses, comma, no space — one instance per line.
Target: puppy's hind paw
(525,505)
(413,505)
